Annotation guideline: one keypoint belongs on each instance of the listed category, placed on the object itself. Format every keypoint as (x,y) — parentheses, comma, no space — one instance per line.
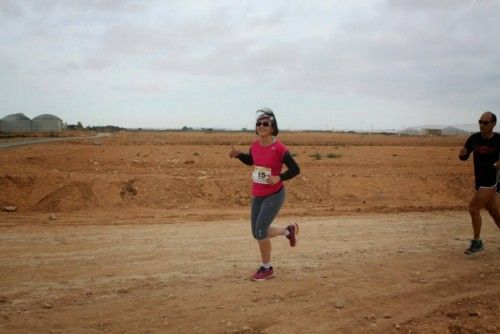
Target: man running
(485,146)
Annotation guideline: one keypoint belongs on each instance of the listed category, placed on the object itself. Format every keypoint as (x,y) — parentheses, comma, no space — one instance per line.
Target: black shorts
(496,186)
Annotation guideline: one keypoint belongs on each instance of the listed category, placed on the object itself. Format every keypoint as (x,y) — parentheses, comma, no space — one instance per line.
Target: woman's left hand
(273,179)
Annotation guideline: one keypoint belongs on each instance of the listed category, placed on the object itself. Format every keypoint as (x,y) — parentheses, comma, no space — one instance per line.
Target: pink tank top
(267,160)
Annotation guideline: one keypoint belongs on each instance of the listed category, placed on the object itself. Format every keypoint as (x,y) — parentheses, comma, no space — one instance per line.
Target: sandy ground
(376,273)
(148,233)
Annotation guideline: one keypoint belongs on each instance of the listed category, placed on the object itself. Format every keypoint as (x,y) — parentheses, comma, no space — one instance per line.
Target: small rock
(474,314)
(10,208)
(276,299)
(387,316)
(47,306)
(52,216)
(3,299)
(491,329)
(123,290)
(340,304)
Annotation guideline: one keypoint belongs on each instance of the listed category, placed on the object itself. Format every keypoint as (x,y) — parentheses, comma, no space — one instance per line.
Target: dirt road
(373,273)
(18,142)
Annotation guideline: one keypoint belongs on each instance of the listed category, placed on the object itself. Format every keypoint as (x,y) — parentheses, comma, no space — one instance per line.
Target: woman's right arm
(245,158)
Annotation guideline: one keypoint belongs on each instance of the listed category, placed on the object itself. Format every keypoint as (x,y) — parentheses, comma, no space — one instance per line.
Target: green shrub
(316,156)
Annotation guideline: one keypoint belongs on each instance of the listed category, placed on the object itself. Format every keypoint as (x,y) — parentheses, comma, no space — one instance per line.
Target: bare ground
(148,233)
(375,273)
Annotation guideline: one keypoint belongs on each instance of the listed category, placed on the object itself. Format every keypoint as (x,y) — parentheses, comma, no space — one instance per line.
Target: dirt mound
(340,173)
(16,189)
(71,197)
(16,181)
(128,190)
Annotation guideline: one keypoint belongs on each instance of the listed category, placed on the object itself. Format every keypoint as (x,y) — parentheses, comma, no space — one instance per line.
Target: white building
(20,123)
(46,123)
(15,123)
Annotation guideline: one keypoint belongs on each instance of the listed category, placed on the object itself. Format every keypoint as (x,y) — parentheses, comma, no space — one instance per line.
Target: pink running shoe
(262,274)
(294,231)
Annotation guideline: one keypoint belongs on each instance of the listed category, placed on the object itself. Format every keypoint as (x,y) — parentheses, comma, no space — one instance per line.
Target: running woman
(267,154)
(485,146)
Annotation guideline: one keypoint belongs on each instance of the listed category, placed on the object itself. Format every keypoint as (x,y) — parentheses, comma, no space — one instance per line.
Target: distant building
(46,123)
(437,130)
(20,123)
(433,132)
(15,123)
(453,131)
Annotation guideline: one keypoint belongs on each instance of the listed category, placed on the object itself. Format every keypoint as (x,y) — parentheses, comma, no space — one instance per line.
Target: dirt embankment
(191,171)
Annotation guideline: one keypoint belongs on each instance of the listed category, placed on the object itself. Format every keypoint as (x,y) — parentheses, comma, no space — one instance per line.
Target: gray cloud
(11,8)
(439,55)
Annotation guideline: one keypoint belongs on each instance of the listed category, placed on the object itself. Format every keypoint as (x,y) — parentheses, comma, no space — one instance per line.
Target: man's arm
(466,150)
(464,154)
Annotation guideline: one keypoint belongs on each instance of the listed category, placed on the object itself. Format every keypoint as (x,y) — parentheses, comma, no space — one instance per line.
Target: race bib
(261,174)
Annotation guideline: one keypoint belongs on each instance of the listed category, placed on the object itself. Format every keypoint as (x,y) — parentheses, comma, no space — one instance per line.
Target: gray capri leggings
(264,210)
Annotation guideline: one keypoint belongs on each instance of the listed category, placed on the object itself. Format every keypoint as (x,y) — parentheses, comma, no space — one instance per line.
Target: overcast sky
(318,64)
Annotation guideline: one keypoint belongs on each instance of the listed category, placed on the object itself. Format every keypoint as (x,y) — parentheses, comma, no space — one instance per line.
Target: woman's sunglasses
(484,122)
(259,123)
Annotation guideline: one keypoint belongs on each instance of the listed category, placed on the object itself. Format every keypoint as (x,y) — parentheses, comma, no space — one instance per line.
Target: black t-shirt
(486,152)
